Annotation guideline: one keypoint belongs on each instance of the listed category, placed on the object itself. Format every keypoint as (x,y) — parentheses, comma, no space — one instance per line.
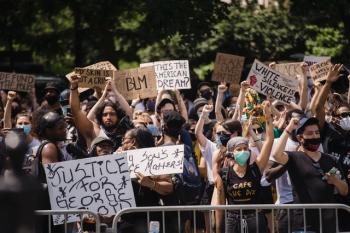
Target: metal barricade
(49,213)
(240,208)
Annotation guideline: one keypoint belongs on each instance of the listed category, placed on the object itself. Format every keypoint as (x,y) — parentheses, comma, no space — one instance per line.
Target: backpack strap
(224,173)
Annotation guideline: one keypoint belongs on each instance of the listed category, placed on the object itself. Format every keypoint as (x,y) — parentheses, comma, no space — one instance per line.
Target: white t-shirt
(207,154)
(284,187)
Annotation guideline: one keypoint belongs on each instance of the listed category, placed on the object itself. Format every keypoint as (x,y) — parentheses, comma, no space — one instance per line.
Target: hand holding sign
(74,82)
(145,181)
(304,68)
(333,74)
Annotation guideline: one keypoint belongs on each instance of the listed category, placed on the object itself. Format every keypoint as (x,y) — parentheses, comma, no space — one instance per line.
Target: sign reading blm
(171,75)
(136,83)
(100,184)
(17,82)
(272,83)
(228,68)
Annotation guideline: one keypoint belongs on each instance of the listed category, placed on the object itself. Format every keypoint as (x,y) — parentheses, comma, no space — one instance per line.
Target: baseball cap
(100,139)
(303,122)
(163,102)
(52,85)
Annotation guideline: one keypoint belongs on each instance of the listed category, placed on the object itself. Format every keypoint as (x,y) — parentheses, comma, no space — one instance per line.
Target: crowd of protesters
(249,149)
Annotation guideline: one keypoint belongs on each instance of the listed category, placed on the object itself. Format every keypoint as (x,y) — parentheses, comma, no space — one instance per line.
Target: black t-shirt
(307,177)
(242,190)
(337,143)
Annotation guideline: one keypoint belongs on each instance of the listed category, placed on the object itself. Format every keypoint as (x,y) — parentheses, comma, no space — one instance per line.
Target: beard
(109,126)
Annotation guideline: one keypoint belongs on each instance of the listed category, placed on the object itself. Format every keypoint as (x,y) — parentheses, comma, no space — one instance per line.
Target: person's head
(137,138)
(164,106)
(308,134)
(109,115)
(172,124)
(51,93)
(205,91)
(52,126)
(198,105)
(238,149)
(227,130)
(102,146)
(24,121)
(342,117)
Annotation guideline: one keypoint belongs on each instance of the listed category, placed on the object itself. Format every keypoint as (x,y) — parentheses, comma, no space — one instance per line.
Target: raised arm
(83,124)
(265,152)
(278,154)
(332,76)
(92,113)
(349,90)
(181,105)
(121,100)
(303,87)
(314,99)
(218,103)
(8,110)
(202,140)
(240,101)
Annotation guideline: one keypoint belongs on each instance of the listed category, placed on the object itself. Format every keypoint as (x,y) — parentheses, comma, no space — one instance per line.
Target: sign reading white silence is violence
(100,184)
(270,82)
(171,75)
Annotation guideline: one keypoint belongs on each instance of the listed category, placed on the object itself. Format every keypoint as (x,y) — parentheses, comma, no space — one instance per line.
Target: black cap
(163,102)
(305,122)
(203,84)
(64,97)
(199,102)
(100,139)
(52,85)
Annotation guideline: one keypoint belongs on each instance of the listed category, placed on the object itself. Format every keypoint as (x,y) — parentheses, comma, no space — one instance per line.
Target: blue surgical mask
(241,157)
(154,130)
(26,128)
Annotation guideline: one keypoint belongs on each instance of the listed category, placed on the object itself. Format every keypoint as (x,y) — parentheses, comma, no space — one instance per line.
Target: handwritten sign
(92,78)
(103,65)
(156,160)
(270,82)
(101,184)
(17,82)
(310,60)
(228,68)
(320,70)
(171,75)
(136,83)
(290,69)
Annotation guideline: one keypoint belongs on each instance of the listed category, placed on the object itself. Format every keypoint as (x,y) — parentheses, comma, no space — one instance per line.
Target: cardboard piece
(100,184)
(136,83)
(103,65)
(228,68)
(310,60)
(92,78)
(156,160)
(290,69)
(17,82)
(270,82)
(319,71)
(171,75)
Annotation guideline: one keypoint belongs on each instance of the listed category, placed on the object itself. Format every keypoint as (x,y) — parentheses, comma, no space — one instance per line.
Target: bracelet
(73,89)
(287,132)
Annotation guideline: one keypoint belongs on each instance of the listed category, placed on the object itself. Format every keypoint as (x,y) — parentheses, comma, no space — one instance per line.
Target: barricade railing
(65,213)
(240,208)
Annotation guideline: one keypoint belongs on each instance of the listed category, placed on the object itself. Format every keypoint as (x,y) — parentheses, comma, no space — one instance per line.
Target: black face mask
(207,94)
(223,138)
(312,144)
(51,99)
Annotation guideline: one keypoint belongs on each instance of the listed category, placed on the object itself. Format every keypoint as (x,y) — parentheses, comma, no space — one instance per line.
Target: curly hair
(117,109)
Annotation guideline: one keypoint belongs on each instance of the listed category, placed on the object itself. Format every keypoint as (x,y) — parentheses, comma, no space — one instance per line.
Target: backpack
(188,185)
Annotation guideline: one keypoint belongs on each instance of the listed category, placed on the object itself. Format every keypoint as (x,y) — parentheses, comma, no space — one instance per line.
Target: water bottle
(154,227)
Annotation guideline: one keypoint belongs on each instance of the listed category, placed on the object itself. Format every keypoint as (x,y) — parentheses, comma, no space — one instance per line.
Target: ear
(299,138)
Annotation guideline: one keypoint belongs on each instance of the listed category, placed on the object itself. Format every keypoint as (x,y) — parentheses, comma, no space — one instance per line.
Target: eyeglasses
(344,114)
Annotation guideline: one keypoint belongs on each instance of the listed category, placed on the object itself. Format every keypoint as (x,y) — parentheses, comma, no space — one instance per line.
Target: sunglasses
(258,130)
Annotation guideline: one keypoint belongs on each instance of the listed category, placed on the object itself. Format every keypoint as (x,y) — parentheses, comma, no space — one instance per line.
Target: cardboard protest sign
(92,78)
(320,70)
(17,82)
(156,160)
(103,65)
(136,83)
(310,60)
(290,69)
(270,82)
(228,68)
(100,184)
(171,75)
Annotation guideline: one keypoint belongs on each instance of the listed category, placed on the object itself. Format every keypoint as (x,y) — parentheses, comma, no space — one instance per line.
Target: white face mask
(344,123)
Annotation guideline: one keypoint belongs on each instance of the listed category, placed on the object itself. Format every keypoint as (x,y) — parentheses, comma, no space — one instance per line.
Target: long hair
(117,109)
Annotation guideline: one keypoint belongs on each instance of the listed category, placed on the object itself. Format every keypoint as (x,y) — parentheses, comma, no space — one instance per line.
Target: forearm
(239,108)
(314,101)
(342,187)
(218,104)
(92,113)
(202,140)
(74,101)
(123,103)
(267,146)
(278,153)
(163,187)
(8,114)
(349,94)
(182,106)
(322,97)
(303,94)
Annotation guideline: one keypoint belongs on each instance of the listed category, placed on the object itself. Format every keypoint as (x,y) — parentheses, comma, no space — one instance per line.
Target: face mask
(65,110)
(312,144)
(153,130)
(207,94)
(344,123)
(26,128)
(51,99)
(222,139)
(241,157)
